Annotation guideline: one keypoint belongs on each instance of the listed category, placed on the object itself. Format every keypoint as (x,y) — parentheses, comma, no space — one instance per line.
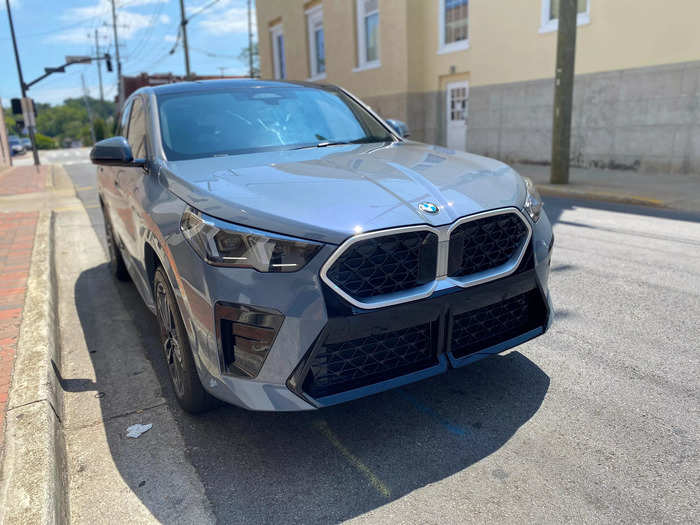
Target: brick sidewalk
(16,243)
(23,179)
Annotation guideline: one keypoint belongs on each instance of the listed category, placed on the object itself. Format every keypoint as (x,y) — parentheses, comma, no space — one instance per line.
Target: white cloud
(227,17)
(129,22)
(170,38)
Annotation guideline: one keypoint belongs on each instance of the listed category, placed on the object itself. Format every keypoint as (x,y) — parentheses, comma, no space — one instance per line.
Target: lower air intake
(359,362)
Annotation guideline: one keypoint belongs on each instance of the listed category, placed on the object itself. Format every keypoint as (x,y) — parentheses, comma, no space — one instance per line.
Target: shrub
(44,142)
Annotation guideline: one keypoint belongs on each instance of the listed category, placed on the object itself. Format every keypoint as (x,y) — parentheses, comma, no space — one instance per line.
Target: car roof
(219,84)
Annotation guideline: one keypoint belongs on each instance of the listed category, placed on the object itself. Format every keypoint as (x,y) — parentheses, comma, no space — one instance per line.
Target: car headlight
(224,244)
(533,201)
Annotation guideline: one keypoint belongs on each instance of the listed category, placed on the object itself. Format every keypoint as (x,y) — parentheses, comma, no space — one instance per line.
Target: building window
(550,14)
(278,60)
(317,47)
(367,34)
(454,25)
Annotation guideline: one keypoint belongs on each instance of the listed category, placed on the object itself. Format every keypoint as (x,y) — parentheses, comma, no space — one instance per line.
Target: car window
(124,119)
(136,135)
(246,120)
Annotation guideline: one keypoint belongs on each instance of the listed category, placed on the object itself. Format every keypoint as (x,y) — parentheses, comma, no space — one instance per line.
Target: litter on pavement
(136,430)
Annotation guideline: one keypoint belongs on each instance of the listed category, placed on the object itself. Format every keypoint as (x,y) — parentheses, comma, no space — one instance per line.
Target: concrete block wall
(646,119)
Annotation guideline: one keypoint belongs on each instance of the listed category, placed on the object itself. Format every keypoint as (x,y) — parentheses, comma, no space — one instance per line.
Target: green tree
(243,57)
(44,142)
(100,129)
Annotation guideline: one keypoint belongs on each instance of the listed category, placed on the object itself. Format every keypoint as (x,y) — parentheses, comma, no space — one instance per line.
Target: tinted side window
(124,120)
(137,129)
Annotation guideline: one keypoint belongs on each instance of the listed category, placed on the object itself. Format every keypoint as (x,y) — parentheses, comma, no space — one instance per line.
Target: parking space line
(453,429)
(356,462)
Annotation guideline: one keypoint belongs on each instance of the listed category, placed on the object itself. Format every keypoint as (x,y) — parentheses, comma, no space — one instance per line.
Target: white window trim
(362,63)
(548,26)
(311,15)
(276,31)
(454,46)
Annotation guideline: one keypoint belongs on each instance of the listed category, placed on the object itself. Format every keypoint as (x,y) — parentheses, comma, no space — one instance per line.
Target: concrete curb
(553,190)
(33,479)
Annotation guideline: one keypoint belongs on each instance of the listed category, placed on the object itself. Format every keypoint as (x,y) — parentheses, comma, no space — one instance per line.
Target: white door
(457,106)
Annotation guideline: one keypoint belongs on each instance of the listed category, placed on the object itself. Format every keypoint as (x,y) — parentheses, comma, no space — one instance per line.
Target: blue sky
(48,30)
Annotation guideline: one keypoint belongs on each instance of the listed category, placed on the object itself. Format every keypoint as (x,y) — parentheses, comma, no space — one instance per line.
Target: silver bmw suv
(298,252)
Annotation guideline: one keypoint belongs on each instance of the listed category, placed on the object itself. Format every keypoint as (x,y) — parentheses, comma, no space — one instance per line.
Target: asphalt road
(598,420)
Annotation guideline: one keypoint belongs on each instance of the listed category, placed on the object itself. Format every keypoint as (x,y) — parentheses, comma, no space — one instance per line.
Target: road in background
(597,420)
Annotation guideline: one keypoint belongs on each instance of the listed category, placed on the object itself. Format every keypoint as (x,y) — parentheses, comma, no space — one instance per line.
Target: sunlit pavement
(597,420)
(67,156)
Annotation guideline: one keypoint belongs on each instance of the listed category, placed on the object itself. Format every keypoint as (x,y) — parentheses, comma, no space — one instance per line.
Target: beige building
(478,74)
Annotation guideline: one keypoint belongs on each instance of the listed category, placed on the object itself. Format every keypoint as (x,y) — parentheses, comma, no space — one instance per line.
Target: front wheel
(176,348)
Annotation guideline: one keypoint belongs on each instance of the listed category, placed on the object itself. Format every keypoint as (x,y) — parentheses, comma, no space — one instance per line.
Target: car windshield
(247,120)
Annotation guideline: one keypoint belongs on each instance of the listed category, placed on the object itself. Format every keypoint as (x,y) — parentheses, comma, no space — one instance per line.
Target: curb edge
(33,476)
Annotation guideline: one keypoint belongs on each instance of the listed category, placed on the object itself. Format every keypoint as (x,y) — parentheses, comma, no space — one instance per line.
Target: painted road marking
(85,188)
(453,429)
(356,462)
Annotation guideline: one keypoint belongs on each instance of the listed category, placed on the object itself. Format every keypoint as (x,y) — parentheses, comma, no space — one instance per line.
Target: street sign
(73,59)
(49,70)
(28,112)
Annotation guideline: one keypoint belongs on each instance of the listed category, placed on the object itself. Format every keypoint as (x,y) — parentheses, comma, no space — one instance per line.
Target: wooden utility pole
(563,91)
(99,66)
(183,29)
(250,40)
(120,90)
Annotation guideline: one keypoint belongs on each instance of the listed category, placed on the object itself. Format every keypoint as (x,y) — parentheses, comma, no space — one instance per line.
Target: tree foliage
(69,121)
(243,57)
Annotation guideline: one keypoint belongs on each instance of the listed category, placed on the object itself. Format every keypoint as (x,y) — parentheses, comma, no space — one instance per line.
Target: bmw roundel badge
(428,207)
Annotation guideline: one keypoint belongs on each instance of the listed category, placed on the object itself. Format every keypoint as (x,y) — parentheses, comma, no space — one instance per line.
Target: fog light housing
(246,335)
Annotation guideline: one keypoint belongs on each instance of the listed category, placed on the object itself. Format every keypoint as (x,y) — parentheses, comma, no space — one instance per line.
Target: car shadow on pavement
(340,462)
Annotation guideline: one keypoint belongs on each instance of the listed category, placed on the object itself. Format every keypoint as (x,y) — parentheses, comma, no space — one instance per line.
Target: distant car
(16,147)
(298,252)
(27,143)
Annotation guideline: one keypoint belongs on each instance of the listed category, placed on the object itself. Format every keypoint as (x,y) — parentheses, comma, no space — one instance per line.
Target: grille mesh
(359,362)
(478,329)
(486,243)
(382,265)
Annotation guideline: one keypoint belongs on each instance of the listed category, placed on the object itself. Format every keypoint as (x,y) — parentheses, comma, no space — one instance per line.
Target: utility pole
(563,91)
(250,40)
(21,82)
(99,66)
(183,28)
(87,107)
(120,91)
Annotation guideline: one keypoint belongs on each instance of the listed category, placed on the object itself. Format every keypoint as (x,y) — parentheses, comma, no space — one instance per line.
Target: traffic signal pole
(21,82)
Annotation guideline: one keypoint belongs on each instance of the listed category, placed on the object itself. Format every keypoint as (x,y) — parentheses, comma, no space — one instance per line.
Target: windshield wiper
(363,140)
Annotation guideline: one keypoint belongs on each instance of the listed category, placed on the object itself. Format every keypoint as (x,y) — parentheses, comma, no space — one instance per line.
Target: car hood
(330,193)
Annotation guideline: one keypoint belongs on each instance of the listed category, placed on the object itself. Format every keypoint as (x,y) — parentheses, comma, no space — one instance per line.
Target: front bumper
(318,322)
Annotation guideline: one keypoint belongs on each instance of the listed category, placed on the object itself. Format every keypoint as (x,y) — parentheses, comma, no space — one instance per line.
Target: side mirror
(399,127)
(114,151)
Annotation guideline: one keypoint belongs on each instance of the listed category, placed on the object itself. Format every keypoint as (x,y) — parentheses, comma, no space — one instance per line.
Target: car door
(113,199)
(131,185)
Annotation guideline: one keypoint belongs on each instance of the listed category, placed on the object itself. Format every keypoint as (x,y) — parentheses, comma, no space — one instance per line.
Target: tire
(116,261)
(176,349)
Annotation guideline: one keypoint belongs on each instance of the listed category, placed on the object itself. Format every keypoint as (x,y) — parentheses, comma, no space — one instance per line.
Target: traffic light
(17,106)
(108,61)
